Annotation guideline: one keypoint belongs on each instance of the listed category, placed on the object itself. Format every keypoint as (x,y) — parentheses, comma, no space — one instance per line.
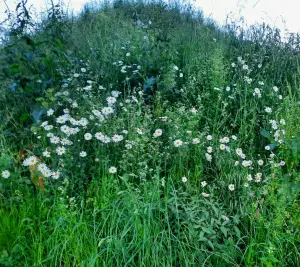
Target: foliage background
(145,215)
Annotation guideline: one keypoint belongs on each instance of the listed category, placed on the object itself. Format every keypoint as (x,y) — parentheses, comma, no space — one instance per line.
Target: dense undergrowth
(141,134)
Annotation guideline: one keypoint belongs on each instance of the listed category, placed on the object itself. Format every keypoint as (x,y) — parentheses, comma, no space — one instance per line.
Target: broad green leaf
(211,244)
(265,133)
(224,230)
(24,117)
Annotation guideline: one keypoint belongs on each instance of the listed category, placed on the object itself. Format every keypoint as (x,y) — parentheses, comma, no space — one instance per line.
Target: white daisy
(42,167)
(231,187)
(107,110)
(61,119)
(193,110)
(74,122)
(82,154)
(112,170)
(184,179)
(222,147)
(5,174)
(243,156)
(87,136)
(117,138)
(60,150)
(178,143)
(106,139)
(47,173)
(115,93)
(111,100)
(209,137)
(55,175)
(74,130)
(54,140)
(157,133)
(50,112)
(246,163)
(44,124)
(99,136)
(225,140)
(30,161)
(239,151)
(48,127)
(203,184)
(128,146)
(66,142)
(208,157)
(83,122)
(139,131)
(249,177)
(245,67)
(74,104)
(282,121)
(46,154)
(196,141)
(65,129)
(268,110)
(258,177)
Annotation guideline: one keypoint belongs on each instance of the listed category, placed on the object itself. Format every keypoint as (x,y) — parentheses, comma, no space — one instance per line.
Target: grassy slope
(133,220)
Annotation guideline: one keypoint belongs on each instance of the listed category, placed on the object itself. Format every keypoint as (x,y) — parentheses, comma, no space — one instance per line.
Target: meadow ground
(142,134)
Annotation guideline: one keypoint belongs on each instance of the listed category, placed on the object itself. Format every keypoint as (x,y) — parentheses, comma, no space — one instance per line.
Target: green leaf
(206,230)
(59,45)
(201,237)
(273,146)
(265,133)
(45,104)
(14,68)
(24,117)
(28,89)
(237,231)
(224,230)
(295,146)
(211,244)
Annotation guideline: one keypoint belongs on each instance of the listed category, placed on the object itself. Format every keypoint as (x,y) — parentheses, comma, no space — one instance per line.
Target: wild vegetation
(142,134)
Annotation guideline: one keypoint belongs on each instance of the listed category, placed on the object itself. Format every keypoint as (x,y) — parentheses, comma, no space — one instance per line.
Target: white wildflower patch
(178,143)
(5,174)
(112,170)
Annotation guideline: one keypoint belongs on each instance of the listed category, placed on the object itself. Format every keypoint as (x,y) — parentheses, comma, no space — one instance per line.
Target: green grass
(169,202)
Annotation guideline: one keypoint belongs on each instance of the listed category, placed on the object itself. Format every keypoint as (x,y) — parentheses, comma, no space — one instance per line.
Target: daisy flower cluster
(64,131)
(41,167)
(86,124)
